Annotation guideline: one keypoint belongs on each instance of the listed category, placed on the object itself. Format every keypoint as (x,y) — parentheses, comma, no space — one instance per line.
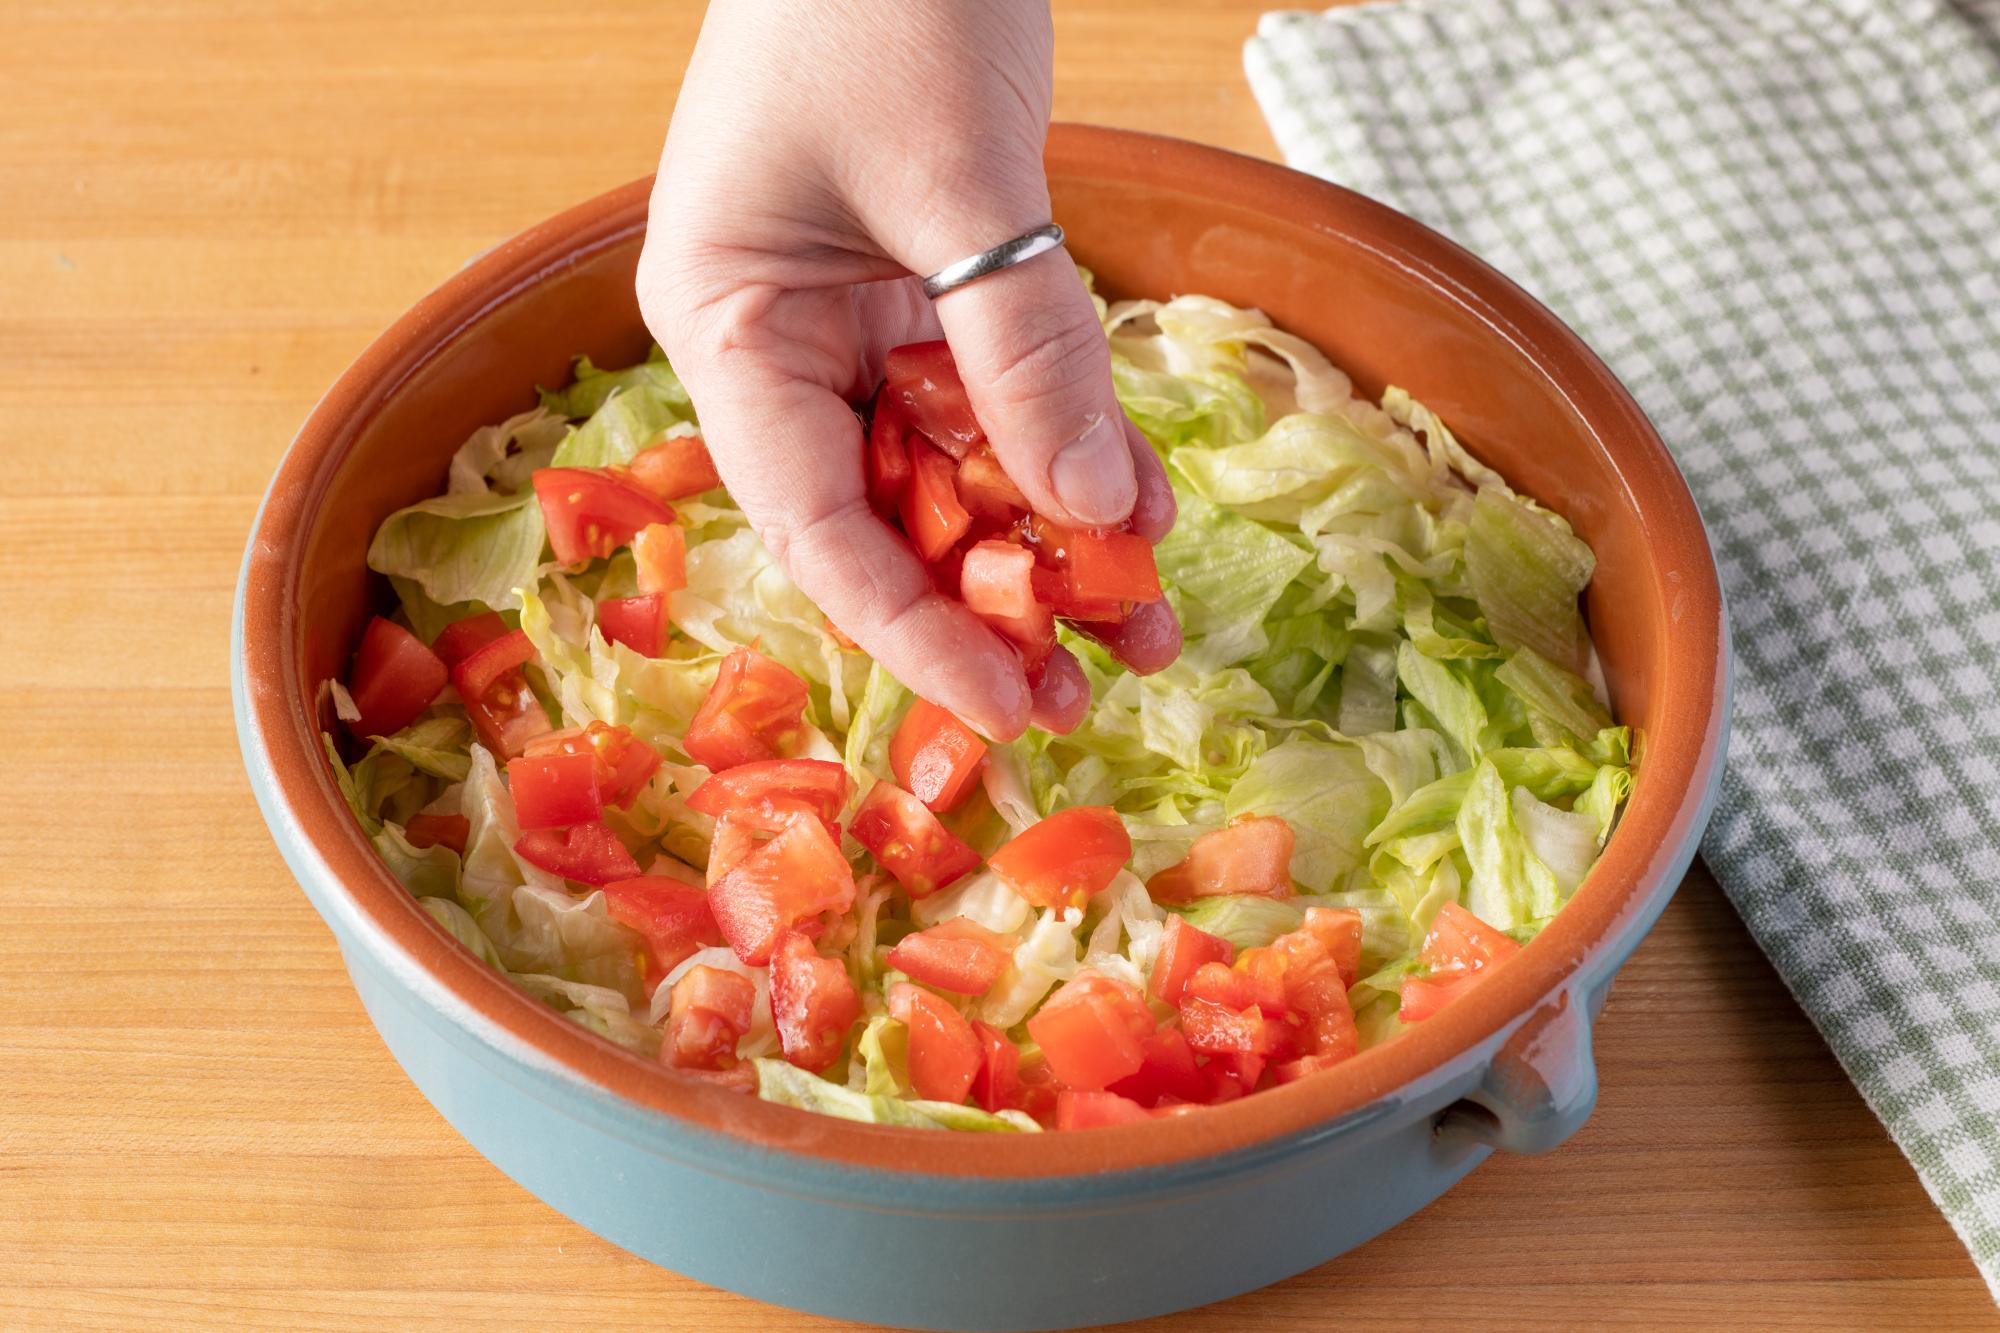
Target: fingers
(790,454)
(1145,641)
(1154,511)
(1038,371)
(1062,696)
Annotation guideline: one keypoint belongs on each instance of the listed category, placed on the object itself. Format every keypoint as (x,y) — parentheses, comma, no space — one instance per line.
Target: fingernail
(1092,474)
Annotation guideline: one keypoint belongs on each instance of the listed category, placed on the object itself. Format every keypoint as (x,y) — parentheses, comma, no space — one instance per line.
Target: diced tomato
(1338,929)
(708,1014)
(1258,979)
(438,831)
(1183,949)
(1092,1031)
(922,381)
(818,784)
(591,513)
(813,1003)
(504,711)
(1459,949)
(742,831)
(797,874)
(1033,635)
(671,917)
(755,710)
(1097,1110)
(1214,1029)
(986,491)
(625,764)
(1052,590)
(1110,566)
(1232,1074)
(936,757)
(587,853)
(908,841)
(932,517)
(994,581)
(888,459)
(1458,939)
(675,468)
(1252,855)
(945,1054)
(1168,1074)
(554,791)
(958,955)
(1424,996)
(640,623)
(660,553)
(462,638)
(395,677)
(1064,859)
(997,1085)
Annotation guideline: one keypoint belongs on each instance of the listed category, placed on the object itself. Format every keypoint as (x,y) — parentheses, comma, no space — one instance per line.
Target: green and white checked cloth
(1779,222)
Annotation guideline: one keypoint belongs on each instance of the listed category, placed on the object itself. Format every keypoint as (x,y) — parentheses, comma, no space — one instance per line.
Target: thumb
(1038,372)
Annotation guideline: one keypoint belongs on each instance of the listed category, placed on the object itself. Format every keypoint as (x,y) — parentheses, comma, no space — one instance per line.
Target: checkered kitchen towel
(1779,222)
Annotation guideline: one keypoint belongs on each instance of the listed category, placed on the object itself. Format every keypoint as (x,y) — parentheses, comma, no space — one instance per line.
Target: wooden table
(207,209)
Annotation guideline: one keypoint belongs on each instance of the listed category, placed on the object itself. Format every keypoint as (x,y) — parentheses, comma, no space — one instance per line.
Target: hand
(820,154)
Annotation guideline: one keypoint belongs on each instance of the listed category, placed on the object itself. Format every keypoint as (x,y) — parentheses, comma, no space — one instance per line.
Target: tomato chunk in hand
(395,677)
(922,381)
(933,518)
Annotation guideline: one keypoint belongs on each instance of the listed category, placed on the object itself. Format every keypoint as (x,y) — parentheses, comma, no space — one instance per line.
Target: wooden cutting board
(207,209)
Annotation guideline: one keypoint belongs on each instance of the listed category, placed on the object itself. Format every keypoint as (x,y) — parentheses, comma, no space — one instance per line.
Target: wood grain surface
(207,209)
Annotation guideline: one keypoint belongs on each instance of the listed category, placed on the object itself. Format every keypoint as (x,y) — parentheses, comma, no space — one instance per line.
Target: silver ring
(988,262)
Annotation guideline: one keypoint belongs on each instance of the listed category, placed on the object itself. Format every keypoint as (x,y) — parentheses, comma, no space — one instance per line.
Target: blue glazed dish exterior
(925,1248)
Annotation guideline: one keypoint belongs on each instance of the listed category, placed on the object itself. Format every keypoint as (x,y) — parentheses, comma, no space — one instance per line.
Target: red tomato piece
(625,764)
(995,580)
(675,469)
(672,919)
(1033,634)
(1458,939)
(1183,949)
(660,552)
(958,955)
(591,513)
(986,491)
(818,784)
(1105,565)
(1065,859)
(1052,590)
(936,757)
(945,1054)
(438,831)
(504,711)
(1252,855)
(462,638)
(797,874)
(1168,1074)
(888,459)
(1097,1110)
(1258,979)
(1092,1032)
(908,841)
(708,1014)
(1424,996)
(640,623)
(742,831)
(394,678)
(813,1003)
(933,519)
(997,1085)
(923,382)
(1338,930)
(587,853)
(1215,1029)
(555,791)
(755,710)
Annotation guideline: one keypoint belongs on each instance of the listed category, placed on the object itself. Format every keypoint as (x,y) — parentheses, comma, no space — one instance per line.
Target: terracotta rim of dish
(1658,826)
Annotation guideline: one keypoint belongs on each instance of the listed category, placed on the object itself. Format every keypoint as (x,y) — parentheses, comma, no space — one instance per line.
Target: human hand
(820,154)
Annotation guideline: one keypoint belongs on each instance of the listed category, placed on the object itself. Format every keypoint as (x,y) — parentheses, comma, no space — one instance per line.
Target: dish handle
(1540,1087)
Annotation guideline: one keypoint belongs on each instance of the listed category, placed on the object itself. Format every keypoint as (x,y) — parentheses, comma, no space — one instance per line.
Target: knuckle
(1050,365)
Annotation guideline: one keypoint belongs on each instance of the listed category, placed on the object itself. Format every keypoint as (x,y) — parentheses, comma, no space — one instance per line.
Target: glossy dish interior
(1385,298)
